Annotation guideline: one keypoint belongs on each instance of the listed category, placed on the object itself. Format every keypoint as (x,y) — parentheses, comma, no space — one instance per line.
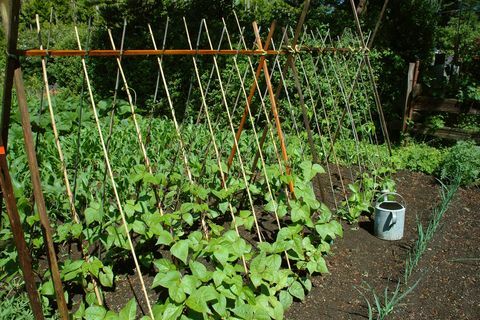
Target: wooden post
(10,11)
(24,257)
(37,192)
(10,15)
(10,18)
(408,94)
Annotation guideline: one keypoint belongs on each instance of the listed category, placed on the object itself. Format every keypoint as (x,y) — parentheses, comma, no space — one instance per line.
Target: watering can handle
(389,193)
(394,218)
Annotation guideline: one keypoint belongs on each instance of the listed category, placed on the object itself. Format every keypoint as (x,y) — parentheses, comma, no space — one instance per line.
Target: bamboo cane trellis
(311,101)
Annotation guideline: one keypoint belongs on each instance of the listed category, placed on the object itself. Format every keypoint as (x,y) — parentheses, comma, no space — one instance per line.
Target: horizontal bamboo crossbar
(172,52)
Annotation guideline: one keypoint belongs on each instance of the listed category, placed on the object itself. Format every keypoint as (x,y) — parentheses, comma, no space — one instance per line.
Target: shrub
(462,162)
(418,157)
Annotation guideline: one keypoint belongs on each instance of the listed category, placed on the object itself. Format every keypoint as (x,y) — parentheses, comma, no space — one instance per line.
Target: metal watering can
(389,217)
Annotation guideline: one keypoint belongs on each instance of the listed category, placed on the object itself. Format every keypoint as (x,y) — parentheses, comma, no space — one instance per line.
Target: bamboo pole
(346,78)
(60,153)
(306,120)
(55,131)
(40,111)
(335,108)
(325,115)
(112,112)
(227,109)
(348,107)
(170,52)
(112,180)
(287,95)
(146,159)
(210,77)
(298,29)
(273,104)
(177,128)
(366,61)
(212,136)
(252,123)
(253,87)
(269,126)
(172,109)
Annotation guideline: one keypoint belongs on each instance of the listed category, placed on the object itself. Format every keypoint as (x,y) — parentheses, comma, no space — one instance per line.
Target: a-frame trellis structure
(311,100)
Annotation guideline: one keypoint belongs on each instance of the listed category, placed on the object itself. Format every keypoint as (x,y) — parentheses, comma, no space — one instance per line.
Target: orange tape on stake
(2,150)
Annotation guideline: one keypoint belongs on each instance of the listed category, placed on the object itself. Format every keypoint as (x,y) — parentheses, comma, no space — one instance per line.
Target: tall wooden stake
(24,257)
(306,6)
(13,74)
(10,23)
(10,11)
(37,192)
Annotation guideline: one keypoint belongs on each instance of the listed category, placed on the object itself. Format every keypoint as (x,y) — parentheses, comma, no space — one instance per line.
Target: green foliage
(63,72)
(418,157)
(459,38)
(65,11)
(413,156)
(425,235)
(435,122)
(199,276)
(14,303)
(462,162)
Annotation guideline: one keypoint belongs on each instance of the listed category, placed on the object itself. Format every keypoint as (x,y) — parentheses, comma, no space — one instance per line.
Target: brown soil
(449,271)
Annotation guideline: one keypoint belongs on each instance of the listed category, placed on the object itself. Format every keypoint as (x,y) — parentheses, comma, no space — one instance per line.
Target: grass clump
(426,234)
(385,304)
(14,302)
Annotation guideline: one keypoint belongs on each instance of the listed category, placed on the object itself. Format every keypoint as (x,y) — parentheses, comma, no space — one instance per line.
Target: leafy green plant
(362,194)
(462,162)
(435,122)
(200,276)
